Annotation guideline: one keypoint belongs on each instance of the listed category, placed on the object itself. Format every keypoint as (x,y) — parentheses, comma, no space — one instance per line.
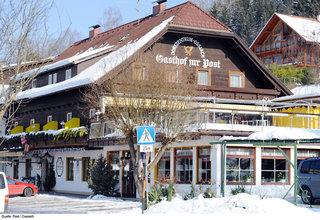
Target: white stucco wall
(77,186)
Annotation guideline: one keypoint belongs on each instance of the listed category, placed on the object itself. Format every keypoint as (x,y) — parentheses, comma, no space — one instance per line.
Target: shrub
(156,194)
(50,180)
(237,190)
(209,193)
(191,195)
(170,191)
(102,179)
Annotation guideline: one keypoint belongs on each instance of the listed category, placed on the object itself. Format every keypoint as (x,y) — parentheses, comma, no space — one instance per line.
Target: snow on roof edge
(99,69)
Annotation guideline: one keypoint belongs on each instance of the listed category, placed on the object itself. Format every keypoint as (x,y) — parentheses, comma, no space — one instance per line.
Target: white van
(4,193)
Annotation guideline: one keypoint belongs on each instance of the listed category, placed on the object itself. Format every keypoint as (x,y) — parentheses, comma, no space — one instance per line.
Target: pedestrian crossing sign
(145,135)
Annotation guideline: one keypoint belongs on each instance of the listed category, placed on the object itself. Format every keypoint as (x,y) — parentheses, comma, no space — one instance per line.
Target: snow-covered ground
(47,204)
(241,204)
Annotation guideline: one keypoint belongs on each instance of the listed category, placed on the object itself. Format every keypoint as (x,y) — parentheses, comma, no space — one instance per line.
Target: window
(303,154)
(140,73)
(204,166)
(277,59)
(240,165)
(184,164)
(173,76)
(28,168)
(68,74)
(164,166)
(203,78)
(69,116)
(85,168)
(275,168)
(50,79)
(236,79)
(34,83)
(92,113)
(32,121)
(107,129)
(49,118)
(69,173)
(54,78)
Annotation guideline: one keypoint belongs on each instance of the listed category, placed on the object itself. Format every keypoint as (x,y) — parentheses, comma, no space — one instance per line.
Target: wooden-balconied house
(288,39)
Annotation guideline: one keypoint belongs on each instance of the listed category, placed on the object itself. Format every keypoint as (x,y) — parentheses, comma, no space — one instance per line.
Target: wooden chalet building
(288,39)
(55,123)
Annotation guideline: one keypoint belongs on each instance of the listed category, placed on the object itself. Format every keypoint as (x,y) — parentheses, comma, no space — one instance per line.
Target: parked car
(4,192)
(309,180)
(17,187)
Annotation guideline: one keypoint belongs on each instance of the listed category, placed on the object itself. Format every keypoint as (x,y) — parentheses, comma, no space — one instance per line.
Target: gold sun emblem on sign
(188,50)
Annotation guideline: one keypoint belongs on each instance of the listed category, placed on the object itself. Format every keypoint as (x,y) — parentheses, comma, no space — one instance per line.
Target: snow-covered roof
(71,60)
(280,133)
(99,68)
(301,92)
(307,28)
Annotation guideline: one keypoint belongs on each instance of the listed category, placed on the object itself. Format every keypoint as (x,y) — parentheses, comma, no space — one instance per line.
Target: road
(58,204)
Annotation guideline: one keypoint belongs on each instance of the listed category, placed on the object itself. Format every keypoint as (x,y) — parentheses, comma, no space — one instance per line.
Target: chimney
(159,7)
(94,30)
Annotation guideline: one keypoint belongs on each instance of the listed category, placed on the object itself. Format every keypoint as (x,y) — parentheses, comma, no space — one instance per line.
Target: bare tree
(111,18)
(146,93)
(21,22)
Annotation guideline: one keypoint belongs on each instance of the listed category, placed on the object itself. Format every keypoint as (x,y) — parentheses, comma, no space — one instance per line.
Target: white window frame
(49,118)
(54,78)
(68,74)
(241,79)
(69,116)
(32,121)
(34,83)
(106,126)
(198,78)
(50,79)
(92,113)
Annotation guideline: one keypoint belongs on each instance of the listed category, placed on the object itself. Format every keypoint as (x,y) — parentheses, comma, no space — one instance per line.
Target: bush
(50,180)
(237,190)
(102,179)
(209,193)
(191,195)
(160,191)
(170,191)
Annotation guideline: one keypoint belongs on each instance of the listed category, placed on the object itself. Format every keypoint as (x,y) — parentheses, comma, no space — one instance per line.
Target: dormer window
(69,116)
(32,121)
(49,118)
(52,78)
(33,83)
(68,74)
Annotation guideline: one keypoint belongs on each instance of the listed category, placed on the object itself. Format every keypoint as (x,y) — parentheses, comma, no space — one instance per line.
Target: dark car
(309,180)
(17,187)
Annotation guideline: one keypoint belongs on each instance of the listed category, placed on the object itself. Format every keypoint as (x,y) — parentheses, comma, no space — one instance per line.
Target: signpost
(146,137)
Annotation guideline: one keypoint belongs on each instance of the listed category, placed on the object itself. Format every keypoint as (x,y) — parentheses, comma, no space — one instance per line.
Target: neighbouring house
(288,39)
(54,126)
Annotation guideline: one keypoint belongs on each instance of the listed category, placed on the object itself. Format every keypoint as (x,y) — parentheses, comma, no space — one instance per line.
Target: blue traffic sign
(146,135)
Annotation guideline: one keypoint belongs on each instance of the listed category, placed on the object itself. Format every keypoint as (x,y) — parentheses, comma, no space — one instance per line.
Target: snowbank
(238,204)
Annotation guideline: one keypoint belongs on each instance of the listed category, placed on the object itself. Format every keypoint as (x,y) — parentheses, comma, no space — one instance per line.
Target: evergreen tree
(102,179)
(50,180)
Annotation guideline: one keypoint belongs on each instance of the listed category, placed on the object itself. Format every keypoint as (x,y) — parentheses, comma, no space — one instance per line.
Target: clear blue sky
(81,14)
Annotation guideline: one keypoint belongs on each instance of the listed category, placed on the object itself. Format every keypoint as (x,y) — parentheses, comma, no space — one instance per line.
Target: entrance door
(44,171)
(16,169)
(128,186)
